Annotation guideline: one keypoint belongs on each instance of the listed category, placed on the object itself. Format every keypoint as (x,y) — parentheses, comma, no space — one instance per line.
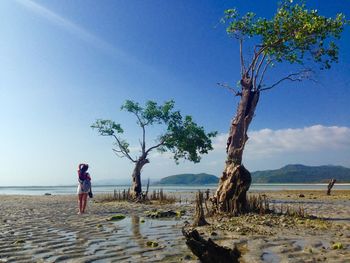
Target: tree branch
(237,93)
(118,153)
(261,50)
(143,144)
(263,73)
(123,150)
(299,76)
(258,71)
(241,56)
(256,56)
(255,61)
(155,146)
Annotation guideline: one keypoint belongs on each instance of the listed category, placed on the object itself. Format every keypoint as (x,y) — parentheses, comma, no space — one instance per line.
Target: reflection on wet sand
(54,233)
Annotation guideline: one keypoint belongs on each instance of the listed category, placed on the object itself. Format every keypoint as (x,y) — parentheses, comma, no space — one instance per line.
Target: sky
(64,64)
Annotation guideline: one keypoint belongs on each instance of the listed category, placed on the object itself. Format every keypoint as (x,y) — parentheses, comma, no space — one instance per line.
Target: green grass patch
(152,244)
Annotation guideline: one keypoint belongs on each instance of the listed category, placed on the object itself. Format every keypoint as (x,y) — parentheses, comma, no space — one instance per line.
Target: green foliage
(107,127)
(110,128)
(152,244)
(185,139)
(182,136)
(190,179)
(291,34)
(337,245)
(151,113)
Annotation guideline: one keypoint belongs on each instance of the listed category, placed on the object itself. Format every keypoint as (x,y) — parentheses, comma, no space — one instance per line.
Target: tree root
(207,251)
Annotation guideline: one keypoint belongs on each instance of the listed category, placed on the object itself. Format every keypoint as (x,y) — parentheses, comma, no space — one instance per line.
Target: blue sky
(66,63)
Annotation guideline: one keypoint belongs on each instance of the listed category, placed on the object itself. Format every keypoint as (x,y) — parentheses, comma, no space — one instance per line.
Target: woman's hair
(84,168)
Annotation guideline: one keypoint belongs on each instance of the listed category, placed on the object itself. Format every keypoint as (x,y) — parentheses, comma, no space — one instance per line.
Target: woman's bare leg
(84,199)
(80,201)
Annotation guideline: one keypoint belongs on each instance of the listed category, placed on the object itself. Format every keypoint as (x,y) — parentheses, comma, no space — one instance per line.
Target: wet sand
(48,229)
(281,238)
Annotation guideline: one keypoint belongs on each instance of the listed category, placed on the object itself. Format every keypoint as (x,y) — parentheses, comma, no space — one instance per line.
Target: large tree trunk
(136,188)
(235,180)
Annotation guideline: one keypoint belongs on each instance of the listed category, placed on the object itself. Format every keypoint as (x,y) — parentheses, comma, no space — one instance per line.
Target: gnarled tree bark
(136,188)
(236,179)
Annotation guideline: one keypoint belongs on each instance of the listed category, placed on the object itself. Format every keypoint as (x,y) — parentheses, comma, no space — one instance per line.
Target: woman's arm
(80,166)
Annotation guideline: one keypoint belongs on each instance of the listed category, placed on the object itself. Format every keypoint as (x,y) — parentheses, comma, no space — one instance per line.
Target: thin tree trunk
(199,219)
(330,186)
(147,188)
(136,187)
(236,179)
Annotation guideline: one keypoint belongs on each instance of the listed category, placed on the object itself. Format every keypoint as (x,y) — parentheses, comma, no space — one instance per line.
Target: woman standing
(84,186)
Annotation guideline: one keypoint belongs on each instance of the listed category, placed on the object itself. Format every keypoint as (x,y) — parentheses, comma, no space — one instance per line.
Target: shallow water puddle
(300,243)
(159,230)
(130,237)
(269,256)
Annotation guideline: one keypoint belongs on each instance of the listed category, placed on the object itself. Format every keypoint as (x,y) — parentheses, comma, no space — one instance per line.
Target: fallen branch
(207,251)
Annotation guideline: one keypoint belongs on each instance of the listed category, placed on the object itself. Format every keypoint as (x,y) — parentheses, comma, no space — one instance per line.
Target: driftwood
(146,194)
(207,251)
(207,192)
(199,219)
(330,186)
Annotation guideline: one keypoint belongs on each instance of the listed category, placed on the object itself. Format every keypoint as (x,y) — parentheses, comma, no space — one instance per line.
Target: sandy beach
(276,238)
(48,229)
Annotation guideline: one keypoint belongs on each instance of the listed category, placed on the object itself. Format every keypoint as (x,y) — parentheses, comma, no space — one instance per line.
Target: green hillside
(190,179)
(293,173)
(297,173)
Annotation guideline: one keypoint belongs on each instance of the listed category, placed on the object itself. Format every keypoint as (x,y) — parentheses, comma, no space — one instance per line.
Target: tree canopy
(182,136)
(294,34)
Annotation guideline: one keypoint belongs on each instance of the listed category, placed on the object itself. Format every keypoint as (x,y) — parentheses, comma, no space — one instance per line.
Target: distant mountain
(190,179)
(297,173)
(292,173)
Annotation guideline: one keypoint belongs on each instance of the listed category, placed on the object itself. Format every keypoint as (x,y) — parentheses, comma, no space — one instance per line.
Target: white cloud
(269,149)
(309,139)
(219,143)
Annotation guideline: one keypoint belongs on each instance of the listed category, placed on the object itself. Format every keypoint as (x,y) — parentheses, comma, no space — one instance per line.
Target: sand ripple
(48,229)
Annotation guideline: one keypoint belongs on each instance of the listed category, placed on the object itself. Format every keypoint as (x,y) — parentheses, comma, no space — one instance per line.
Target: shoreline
(173,189)
(47,229)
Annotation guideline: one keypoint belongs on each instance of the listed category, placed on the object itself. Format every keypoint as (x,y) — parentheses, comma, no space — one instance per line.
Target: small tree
(183,137)
(295,35)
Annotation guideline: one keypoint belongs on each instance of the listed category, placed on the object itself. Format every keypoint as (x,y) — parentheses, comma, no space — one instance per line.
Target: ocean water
(71,189)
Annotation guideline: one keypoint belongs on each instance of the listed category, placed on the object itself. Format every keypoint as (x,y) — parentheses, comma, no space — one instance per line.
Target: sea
(72,189)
